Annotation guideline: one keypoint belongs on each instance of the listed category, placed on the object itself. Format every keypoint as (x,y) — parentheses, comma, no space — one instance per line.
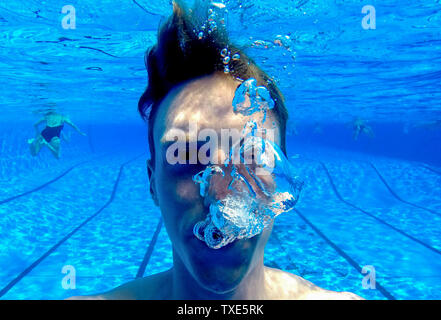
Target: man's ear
(151,174)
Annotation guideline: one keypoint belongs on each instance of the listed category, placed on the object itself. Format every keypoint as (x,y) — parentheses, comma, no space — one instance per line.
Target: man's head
(187,82)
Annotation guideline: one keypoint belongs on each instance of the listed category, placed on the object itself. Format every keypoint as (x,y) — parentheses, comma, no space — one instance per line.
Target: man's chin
(220,270)
(219,282)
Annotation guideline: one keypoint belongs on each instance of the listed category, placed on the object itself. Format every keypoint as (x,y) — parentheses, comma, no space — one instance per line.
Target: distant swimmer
(292,129)
(51,134)
(359,126)
(431,125)
(406,126)
(317,128)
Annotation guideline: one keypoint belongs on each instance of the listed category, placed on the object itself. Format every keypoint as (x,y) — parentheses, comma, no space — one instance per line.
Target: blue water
(370,202)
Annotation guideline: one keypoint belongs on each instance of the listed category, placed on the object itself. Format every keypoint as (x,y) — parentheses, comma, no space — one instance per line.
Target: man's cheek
(187,191)
(179,199)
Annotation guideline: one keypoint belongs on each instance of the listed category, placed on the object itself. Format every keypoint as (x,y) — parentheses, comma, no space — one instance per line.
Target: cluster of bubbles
(217,15)
(284,42)
(251,98)
(227,58)
(257,192)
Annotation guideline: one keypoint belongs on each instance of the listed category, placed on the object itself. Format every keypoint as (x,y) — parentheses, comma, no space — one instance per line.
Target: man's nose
(217,181)
(221,186)
(218,187)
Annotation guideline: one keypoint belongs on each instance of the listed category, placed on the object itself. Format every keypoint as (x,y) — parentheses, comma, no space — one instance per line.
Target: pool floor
(356,213)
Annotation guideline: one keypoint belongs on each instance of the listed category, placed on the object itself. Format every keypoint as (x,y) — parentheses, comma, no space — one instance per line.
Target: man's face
(208,103)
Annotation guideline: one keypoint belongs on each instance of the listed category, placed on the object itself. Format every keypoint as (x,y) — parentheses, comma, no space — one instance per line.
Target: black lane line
(51,250)
(351,261)
(99,50)
(398,197)
(50,181)
(282,246)
(43,185)
(373,216)
(145,10)
(148,253)
(431,169)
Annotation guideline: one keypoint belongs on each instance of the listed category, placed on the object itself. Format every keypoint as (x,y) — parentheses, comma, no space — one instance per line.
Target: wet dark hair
(181,55)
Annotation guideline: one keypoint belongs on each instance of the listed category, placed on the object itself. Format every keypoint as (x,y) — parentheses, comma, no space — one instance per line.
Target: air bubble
(213,25)
(224,52)
(249,204)
(243,213)
(236,57)
(227,60)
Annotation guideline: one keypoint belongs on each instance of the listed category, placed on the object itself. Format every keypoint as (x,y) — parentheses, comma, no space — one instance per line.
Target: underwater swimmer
(431,125)
(317,128)
(195,87)
(292,129)
(360,126)
(51,134)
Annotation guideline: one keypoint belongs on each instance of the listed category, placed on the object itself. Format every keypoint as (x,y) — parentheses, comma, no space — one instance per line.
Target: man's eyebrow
(169,142)
(199,143)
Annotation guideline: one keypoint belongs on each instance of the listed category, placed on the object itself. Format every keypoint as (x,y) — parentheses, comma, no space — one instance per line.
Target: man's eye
(186,161)
(185,169)
(189,156)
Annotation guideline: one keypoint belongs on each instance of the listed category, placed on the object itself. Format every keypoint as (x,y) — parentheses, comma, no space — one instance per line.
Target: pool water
(95,214)
(368,204)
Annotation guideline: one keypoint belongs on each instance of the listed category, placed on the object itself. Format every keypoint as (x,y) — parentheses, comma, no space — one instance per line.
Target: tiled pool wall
(421,142)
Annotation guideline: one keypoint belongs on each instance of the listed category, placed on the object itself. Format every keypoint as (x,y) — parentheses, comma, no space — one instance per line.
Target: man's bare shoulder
(149,288)
(290,286)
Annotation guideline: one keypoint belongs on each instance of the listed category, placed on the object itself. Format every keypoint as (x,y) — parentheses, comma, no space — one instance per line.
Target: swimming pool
(372,202)
(115,233)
